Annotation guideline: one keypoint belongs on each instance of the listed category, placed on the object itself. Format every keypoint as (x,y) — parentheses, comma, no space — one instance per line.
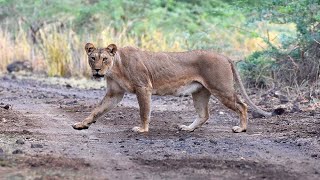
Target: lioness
(201,73)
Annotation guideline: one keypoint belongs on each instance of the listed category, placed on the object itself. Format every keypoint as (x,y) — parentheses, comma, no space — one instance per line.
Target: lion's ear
(112,49)
(89,48)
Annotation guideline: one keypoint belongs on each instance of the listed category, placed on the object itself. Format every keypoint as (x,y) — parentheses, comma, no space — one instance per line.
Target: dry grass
(10,50)
(61,53)
(57,52)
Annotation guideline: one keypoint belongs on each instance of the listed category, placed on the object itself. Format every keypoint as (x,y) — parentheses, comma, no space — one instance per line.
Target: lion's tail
(244,93)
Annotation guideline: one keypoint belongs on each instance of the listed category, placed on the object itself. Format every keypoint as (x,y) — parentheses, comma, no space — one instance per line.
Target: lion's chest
(178,90)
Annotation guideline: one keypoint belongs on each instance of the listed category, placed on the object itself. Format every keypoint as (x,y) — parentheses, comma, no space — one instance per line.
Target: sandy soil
(38,142)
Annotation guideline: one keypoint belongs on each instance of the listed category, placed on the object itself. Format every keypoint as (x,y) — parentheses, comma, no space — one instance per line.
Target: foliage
(57,52)
(297,57)
(257,69)
(8,48)
(305,14)
(54,32)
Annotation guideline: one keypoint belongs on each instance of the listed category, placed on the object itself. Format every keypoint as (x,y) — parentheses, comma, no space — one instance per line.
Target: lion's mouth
(98,76)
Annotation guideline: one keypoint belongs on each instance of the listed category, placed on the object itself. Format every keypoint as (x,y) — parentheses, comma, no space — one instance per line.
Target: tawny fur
(201,73)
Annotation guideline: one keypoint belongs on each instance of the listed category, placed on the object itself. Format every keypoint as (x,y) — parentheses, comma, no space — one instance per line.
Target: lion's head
(100,59)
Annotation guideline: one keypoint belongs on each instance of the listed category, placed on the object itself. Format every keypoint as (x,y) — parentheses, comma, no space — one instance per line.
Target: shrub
(297,60)
(257,69)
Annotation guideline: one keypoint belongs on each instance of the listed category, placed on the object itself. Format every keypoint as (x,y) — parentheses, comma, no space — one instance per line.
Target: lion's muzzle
(96,73)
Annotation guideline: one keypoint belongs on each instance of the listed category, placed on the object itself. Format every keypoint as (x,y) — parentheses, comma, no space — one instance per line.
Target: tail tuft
(278,111)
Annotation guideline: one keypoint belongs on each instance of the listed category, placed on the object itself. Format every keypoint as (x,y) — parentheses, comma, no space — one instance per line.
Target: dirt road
(38,142)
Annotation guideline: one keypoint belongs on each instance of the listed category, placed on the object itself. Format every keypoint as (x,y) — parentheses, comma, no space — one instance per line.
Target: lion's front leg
(144,100)
(109,102)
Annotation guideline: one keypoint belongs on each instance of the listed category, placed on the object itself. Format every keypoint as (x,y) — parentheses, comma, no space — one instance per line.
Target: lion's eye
(105,59)
(93,58)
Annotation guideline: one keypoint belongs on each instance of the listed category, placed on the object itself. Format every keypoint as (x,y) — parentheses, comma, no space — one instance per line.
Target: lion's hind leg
(200,101)
(235,104)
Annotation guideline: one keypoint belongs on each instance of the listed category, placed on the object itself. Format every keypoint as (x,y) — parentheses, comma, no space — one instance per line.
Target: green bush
(257,69)
(297,59)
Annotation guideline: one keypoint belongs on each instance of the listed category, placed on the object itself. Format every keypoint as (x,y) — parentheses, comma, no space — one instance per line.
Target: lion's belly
(178,91)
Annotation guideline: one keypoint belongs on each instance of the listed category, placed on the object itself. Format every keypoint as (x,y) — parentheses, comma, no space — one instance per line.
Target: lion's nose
(97,70)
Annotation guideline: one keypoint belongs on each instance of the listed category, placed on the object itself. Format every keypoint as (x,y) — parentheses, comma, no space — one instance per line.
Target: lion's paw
(185,128)
(237,129)
(79,126)
(139,129)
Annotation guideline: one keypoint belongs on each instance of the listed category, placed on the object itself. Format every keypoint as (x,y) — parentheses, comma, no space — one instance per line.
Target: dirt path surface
(38,142)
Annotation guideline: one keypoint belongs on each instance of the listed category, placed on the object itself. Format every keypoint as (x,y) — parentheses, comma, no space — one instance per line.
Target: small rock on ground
(1,152)
(17,151)
(36,146)
(20,141)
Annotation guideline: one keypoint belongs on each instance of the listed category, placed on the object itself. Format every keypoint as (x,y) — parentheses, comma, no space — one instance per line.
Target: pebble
(196,143)
(20,141)
(36,146)
(314,155)
(213,141)
(17,151)
(6,107)
(167,155)
(68,86)
(26,132)
(1,152)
